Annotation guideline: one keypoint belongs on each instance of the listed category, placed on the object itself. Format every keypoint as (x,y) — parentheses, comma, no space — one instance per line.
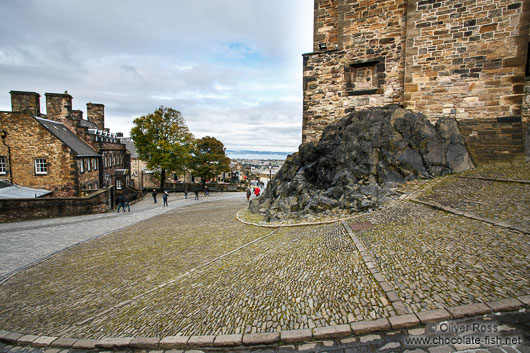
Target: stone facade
(444,58)
(29,142)
(69,173)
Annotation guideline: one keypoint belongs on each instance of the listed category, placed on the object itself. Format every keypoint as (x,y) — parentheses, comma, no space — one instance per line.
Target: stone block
(295,336)
(199,341)
(144,342)
(26,340)
(363,327)
(261,338)
(332,331)
(505,305)
(172,342)
(11,337)
(85,344)
(525,300)
(469,310)
(228,340)
(433,315)
(113,342)
(404,321)
(392,296)
(43,341)
(64,342)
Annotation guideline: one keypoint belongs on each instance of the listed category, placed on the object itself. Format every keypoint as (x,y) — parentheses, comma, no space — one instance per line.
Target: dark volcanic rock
(357,161)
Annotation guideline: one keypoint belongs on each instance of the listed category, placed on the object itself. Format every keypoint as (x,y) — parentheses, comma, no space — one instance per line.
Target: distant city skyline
(234,69)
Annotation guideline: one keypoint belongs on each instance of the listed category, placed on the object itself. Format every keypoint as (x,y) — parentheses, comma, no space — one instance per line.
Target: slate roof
(129,144)
(13,191)
(78,146)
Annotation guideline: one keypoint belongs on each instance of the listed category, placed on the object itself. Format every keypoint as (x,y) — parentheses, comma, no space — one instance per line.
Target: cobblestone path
(24,243)
(196,270)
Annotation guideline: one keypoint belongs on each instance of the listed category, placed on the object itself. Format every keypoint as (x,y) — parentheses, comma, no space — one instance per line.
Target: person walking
(120,201)
(196,194)
(186,193)
(154,195)
(206,191)
(164,197)
(248,194)
(257,191)
(126,203)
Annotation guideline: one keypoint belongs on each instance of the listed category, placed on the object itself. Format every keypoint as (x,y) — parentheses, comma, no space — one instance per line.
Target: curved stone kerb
(287,336)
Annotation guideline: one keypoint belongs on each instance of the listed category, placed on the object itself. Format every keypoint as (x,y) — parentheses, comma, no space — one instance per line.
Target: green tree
(163,140)
(209,159)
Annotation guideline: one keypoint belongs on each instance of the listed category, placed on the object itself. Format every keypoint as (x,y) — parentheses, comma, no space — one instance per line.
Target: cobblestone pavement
(505,202)
(82,281)
(198,271)
(434,259)
(296,278)
(24,243)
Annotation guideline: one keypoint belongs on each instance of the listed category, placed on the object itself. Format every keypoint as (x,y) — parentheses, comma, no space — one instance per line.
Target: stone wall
(444,58)
(24,209)
(58,106)
(364,65)
(25,102)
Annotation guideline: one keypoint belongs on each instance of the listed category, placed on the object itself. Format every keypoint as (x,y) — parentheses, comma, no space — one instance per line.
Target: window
(87,161)
(93,163)
(118,184)
(365,77)
(3,166)
(113,160)
(81,166)
(40,166)
(105,161)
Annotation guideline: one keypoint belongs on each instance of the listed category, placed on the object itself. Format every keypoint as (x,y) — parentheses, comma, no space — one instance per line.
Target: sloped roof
(78,146)
(13,191)
(129,143)
(89,124)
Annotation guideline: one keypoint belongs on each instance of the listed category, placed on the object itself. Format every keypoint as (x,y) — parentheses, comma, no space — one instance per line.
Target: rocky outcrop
(359,160)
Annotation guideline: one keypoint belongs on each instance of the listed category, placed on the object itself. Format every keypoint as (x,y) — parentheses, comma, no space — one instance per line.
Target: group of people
(256,192)
(123,202)
(165,195)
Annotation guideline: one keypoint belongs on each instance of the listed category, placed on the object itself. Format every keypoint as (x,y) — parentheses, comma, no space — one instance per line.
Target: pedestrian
(120,201)
(196,194)
(164,197)
(256,191)
(126,203)
(248,194)
(154,195)
(206,192)
(186,193)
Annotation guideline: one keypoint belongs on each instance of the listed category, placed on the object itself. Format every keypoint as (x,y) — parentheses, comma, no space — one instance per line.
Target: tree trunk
(162,179)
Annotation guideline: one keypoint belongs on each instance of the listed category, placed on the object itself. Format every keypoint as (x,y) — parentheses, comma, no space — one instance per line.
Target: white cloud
(233,68)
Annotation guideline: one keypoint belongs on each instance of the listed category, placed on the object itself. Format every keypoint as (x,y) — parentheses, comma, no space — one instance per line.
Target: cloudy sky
(232,67)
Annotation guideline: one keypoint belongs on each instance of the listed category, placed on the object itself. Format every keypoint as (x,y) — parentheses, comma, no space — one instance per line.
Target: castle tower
(444,58)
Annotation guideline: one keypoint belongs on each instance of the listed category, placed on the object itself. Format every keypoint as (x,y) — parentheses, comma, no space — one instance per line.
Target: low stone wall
(25,209)
(215,187)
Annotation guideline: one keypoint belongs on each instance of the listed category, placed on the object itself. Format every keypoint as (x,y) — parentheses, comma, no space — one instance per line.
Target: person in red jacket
(256,191)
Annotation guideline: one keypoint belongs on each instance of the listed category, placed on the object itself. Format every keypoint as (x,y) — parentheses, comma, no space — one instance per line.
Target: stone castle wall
(462,59)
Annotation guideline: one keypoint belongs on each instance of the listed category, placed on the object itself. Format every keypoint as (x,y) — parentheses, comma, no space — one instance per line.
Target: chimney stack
(58,106)
(25,102)
(95,113)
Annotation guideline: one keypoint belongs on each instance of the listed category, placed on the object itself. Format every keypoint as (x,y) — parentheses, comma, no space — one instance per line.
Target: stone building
(60,151)
(466,59)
